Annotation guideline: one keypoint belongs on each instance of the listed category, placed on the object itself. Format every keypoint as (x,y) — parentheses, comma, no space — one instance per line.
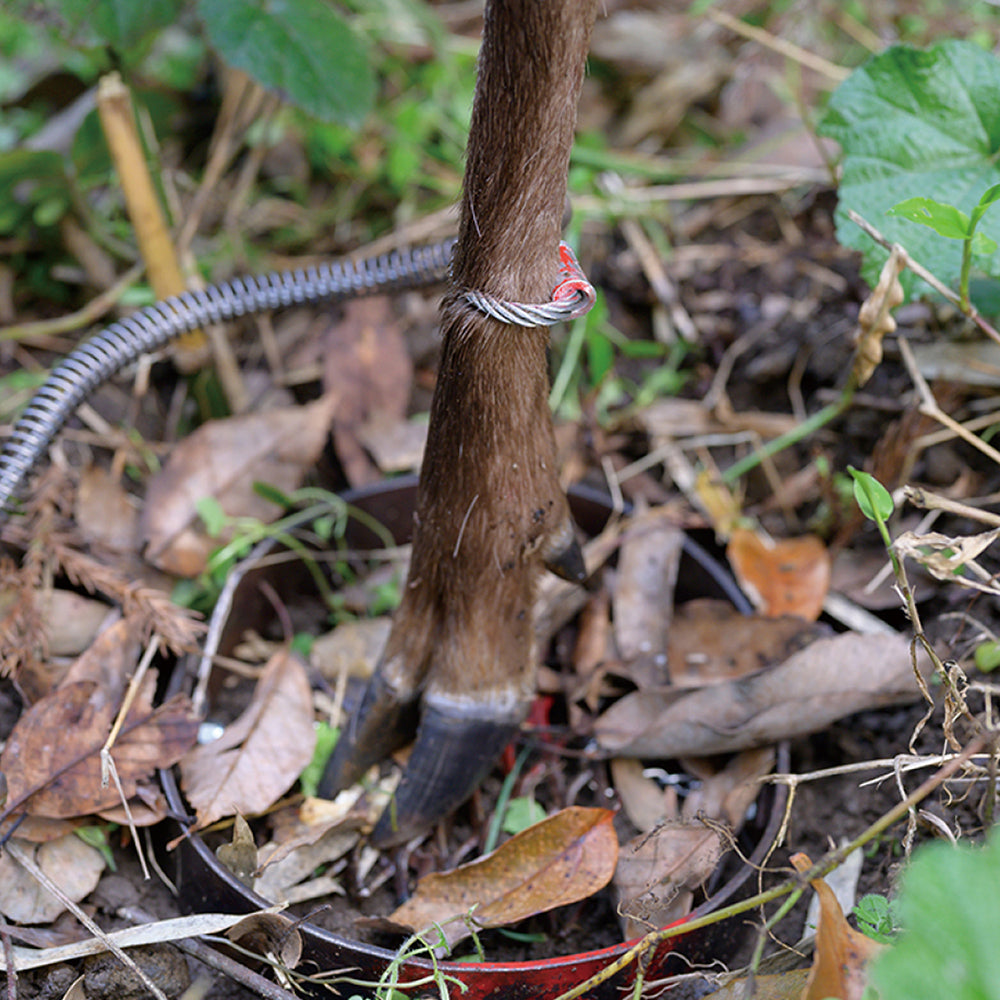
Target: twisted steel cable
(91,364)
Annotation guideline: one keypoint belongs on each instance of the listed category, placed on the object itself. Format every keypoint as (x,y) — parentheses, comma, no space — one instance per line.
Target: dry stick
(818,870)
(23,858)
(108,769)
(921,272)
(929,405)
(927,500)
(114,106)
(790,51)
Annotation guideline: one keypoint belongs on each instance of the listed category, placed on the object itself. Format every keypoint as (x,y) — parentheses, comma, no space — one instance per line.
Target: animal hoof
(454,751)
(382,723)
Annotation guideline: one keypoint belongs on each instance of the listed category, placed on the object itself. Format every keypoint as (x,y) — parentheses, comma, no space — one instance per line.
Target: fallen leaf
(71,864)
(842,954)
(352,648)
(560,860)
(223,459)
(394,443)
(729,792)
(711,642)
(828,679)
(104,513)
(875,317)
(110,660)
(239,855)
(952,559)
(269,934)
(644,801)
(658,871)
(257,758)
(648,561)
(52,757)
(786,577)
(367,367)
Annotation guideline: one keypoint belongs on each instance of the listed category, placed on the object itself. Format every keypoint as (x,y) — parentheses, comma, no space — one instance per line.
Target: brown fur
(490,502)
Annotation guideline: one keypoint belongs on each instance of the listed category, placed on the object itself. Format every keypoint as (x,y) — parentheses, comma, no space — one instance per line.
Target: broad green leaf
(873,498)
(122,24)
(917,123)
(300,49)
(947,907)
(945,220)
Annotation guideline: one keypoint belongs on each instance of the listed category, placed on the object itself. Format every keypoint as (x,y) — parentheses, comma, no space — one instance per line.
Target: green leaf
(947,904)
(521,813)
(917,123)
(211,514)
(300,49)
(326,740)
(945,220)
(987,656)
(873,498)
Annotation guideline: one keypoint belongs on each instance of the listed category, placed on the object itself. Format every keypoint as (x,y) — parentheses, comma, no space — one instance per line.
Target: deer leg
(490,511)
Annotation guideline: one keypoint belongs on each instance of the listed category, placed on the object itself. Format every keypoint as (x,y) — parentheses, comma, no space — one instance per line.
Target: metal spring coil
(91,365)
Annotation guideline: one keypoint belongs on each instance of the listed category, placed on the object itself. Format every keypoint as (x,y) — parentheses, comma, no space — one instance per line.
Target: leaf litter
(605,671)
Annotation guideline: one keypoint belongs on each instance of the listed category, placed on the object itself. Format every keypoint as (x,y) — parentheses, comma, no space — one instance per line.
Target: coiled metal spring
(104,355)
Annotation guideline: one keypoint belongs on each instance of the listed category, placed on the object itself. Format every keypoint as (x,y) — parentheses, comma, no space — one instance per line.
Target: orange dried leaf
(560,860)
(787,577)
(842,954)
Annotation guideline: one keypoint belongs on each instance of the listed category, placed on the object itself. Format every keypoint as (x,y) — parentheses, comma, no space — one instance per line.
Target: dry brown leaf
(786,577)
(269,934)
(239,855)
(644,801)
(71,864)
(823,682)
(52,761)
(563,859)
(779,986)
(952,559)
(367,367)
(728,793)
(658,871)
(223,459)
(648,561)
(256,759)
(110,660)
(105,514)
(711,642)
(875,317)
(842,954)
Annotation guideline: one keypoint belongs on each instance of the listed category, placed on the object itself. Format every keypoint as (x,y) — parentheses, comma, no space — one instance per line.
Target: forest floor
(725,267)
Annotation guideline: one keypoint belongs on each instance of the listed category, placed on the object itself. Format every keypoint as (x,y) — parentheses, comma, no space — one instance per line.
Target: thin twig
(921,272)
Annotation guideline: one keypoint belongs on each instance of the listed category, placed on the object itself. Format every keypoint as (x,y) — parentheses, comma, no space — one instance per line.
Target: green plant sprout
(951,222)
(877,917)
(327,514)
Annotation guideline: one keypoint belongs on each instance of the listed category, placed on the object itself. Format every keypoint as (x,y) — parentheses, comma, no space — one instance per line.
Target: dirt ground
(774,300)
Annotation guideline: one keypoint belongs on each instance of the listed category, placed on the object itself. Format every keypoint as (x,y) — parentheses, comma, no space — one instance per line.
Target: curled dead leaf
(875,318)
(52,757)
(223,459)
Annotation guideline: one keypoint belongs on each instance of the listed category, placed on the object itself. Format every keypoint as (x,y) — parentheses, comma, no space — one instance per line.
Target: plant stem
(826,864)
(819,419)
